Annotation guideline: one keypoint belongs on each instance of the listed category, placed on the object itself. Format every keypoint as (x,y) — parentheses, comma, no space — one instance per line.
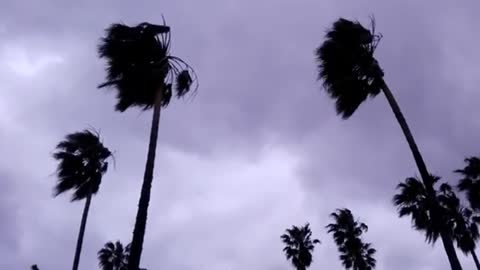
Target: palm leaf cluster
(82,162)
(347,66)
(347,232)
(139,65)
(299,246)
(113,256)
(470,183)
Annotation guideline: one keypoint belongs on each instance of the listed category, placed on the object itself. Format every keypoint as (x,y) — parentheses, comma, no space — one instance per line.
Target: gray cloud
(257,149)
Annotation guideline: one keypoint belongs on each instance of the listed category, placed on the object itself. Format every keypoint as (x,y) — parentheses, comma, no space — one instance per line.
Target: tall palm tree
(462,222)
(299,246)
(82,161)
(144,73)
(350,74)
(113,256)
(470,183)
(347,232)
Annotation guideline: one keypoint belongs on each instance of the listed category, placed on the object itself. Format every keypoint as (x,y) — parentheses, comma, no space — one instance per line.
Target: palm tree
(350,74)
(347,233)
(470,183)
(141,69)
(462,222)
(34,267)
(82,161)
(299,246)
(113,256)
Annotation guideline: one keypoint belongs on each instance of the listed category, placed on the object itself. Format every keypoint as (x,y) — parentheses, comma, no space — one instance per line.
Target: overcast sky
(258,149)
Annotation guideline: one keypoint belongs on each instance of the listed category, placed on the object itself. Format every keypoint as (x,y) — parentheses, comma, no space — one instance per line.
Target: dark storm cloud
(257,86)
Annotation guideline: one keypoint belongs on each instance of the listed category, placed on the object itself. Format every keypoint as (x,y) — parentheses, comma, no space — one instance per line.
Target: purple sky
(259,148)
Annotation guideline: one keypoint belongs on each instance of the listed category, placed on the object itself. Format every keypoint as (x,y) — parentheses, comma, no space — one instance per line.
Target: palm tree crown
(82,162)
(470,183)
(299,246)
(113,256)
(347,67)
(139,65)
(355,254)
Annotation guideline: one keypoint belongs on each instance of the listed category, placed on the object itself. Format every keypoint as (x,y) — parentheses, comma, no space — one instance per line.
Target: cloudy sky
(259,148)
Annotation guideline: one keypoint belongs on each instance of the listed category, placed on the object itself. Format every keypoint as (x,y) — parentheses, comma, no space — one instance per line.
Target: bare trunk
(427,181)
(475,259)
(141,219)
(83,223)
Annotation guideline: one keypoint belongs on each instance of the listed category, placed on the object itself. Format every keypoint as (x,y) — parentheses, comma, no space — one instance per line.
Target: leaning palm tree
(462,222)
(299,246)
(113,256)
(145,74)
(82,161)
(347,232)
(350,74)
(470,183)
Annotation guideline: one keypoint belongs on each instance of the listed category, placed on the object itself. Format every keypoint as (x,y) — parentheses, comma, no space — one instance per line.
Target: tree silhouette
(113,256)
(350,74)
(141,69)
(470,183)
(462,222)
(82,162)
(34,267)
(347,232)
(299,246)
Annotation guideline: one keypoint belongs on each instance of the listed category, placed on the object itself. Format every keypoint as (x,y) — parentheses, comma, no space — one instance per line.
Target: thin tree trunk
(141,219)
(475,259)
(78,250)
(427,180)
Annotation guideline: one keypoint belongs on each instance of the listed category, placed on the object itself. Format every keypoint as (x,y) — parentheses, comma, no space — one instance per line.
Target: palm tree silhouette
(470,183)
(462,222)
(350,74)
(347,233)
(82,163)
(299,246)
(113,256)
(141,69)
(34,267)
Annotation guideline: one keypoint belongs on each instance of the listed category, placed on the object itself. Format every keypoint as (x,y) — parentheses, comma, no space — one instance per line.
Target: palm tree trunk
(83,223)
(141,219)
(427,180)
(475,258)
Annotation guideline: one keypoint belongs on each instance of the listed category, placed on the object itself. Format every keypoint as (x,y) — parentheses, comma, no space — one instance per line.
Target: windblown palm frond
(139,64)
(347,232)
(113,256)
(299,246)
(346,64)
(82,162)
(470,183)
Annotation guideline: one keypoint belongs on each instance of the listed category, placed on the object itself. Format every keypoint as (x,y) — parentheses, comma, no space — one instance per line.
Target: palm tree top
(139,64)
(82,162)
(347,67)
(113,256)
(299,246)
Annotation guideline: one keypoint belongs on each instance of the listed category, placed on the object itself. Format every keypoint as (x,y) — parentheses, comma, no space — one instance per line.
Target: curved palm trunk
(141,219)
(446,239)
(475,259)
(81,233)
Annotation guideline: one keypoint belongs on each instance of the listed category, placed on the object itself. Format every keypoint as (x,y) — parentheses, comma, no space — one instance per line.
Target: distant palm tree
(113,256)
(347,232)
(82,162)
(350,74)
(140,67)
(34,267)
(299,246)
(462,222)
(470,183)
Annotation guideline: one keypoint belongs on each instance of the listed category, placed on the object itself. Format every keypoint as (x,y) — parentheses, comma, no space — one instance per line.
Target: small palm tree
(82,162)
(351,74)
(113,256)
(462,222)
(145,74)
(470,183)
(299,246)
(34,267)
(347,233)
